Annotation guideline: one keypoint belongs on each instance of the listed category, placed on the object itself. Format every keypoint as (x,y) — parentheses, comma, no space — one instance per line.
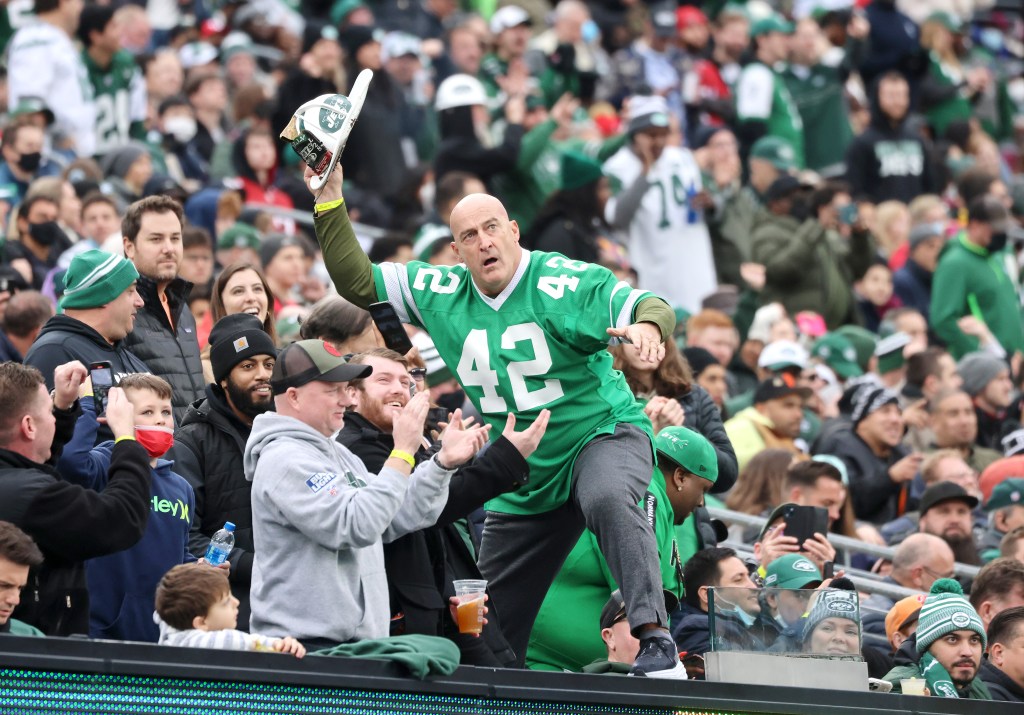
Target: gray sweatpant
(521,555)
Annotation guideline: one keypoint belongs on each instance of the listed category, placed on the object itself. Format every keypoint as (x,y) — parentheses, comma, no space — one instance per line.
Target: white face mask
(182,128)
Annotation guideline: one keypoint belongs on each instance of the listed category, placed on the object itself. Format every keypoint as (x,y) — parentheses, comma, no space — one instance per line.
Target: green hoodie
(970,281)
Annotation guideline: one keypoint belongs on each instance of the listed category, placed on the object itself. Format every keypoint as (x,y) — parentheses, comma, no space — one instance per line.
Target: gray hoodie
(319,524)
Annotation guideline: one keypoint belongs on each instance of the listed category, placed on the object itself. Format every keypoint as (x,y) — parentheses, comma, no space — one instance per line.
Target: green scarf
(936,677)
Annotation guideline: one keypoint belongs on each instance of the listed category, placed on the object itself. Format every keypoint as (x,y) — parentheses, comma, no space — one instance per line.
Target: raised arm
(348,266)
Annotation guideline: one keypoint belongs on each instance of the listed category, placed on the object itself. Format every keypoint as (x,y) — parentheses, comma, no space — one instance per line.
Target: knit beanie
(95,278)
(118,162)
(273,244)
(579,170)
(869,400)
(978,369)
(235,338)
(946,610)
(353,37)
(833,603)
(699,359)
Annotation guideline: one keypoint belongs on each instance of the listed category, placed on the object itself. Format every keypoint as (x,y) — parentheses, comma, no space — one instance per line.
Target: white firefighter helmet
(322,127)
(459,90)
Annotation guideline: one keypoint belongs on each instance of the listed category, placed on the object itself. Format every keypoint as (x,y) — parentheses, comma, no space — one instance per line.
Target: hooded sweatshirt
(888,161)
(64,339)
(319,523)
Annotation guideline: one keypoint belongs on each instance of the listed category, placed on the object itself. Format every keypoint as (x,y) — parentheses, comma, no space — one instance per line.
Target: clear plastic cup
(470,611)
(912,686)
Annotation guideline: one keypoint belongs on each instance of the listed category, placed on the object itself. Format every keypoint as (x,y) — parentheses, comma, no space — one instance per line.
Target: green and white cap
(945,610)
(793,572)
(690,450)
(312,360)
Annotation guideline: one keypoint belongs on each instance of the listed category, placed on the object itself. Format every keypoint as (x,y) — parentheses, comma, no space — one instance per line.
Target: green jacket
(810,268)
(977,690)
(970,281)
(954,108)
(730,226)
(15,627)
(567,634)
(818,93)
(538,170)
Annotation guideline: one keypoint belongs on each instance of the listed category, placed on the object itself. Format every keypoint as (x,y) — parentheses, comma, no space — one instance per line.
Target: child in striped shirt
(195,609)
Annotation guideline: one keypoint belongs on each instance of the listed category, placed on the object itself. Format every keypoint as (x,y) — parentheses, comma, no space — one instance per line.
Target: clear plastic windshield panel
(809,623)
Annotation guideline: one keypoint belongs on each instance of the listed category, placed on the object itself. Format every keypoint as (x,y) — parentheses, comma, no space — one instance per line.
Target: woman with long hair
(240,288)
(673,398)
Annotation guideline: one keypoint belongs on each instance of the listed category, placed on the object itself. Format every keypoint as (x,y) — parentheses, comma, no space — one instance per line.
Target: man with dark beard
(211,439)
(946,512)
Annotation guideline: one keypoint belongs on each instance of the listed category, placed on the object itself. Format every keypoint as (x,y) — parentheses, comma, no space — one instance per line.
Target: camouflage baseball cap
(792,571)
(312,360)
(689,450)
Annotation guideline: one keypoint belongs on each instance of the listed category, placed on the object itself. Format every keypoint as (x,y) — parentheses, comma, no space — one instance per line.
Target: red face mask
(155,440)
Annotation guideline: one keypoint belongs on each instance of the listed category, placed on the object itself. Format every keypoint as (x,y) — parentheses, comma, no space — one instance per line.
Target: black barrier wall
(72,676)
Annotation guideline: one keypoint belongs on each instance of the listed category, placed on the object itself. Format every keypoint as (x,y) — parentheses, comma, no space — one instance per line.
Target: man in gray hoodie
(319,518)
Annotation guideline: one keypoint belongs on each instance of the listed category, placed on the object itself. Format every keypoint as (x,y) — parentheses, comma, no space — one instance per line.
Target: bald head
(486,241)
(920,560)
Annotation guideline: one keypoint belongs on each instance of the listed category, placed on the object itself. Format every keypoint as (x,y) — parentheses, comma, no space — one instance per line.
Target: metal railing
(843,543)
(305,219)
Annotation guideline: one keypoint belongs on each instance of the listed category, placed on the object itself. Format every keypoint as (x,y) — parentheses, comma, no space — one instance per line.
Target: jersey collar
(497,301)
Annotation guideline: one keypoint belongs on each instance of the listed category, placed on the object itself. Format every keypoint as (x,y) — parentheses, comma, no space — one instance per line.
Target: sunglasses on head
(418,373)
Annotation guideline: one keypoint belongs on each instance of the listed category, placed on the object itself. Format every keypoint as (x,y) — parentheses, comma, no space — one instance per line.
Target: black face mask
(998,242)
(46,233)
(452,401)
(30,162)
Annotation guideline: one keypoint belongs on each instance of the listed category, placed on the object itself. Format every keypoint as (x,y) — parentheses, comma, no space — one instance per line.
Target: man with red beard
(422,565)
(946,512)
(211,439)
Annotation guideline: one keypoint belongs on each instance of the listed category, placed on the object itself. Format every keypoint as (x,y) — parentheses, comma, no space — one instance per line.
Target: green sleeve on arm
(655,310)
(349,267)
(534,143)
(610,146)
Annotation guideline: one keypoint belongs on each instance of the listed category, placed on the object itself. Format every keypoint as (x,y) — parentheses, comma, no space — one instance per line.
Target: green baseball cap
(863,341)
(690,450)
(947,20)
(772,23)
(1007,493)
(239,235)
(776,151)
(312,360)
(839,354)
(31,105)
(793,572)
(889,352)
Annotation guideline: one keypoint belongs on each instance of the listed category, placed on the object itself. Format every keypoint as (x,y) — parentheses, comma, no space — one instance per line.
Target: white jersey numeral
(555,286)
(475,369)
(435,281)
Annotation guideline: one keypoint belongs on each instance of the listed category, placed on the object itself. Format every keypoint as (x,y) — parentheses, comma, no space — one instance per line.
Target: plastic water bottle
(220,545)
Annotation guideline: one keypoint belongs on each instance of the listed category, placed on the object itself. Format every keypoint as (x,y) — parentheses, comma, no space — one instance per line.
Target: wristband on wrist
(442,465)
(327,206)
(122,438)
(404,456)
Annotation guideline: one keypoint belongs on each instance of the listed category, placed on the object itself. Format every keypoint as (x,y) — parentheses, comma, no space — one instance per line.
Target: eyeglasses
(936,575)
(418,373)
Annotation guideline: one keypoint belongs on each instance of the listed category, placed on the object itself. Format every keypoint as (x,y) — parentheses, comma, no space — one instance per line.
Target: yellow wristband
(404,456)
(762,572)
(327,206)
(122,438)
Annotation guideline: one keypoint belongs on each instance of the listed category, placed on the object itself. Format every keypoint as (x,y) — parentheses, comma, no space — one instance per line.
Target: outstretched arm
(349,267)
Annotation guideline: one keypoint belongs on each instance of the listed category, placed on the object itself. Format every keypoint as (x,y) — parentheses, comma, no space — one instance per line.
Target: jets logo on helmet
(332,121)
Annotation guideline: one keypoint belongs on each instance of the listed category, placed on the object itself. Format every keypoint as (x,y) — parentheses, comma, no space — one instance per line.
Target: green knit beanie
(95,278)
(946,610)
(579,170)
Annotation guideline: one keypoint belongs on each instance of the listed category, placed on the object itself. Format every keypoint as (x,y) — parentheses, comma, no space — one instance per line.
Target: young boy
(122,585)
(197,610)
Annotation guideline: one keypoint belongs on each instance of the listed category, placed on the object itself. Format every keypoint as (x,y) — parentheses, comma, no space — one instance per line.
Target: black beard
(964,550)
(241,400)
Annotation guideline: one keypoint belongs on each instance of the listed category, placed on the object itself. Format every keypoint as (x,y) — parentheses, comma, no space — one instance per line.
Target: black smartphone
(803,522)
(102,376)
(829,571)
(390,327)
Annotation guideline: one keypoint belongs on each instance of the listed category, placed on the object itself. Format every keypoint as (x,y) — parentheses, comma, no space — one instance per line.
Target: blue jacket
(46,168)
(122,586)
(913,285)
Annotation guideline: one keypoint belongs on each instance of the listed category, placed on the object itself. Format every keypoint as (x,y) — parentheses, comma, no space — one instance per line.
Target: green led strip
(24,692)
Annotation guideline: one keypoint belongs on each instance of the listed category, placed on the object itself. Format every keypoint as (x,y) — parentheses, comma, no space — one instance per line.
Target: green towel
(421,655)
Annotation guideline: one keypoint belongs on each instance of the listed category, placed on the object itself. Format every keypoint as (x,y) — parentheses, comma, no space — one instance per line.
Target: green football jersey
(539,344)
(120,97)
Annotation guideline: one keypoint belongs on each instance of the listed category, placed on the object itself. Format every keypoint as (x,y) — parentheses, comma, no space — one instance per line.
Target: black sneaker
(658,658)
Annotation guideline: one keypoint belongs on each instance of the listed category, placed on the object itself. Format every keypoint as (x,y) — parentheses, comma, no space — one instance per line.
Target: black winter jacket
(422,565)
(875,496)
(702,416)
(71,524)
(172,352)
(207,452)
(1001,685)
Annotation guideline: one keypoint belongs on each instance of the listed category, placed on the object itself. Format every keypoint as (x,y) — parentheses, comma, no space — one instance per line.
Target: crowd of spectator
(777,253)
